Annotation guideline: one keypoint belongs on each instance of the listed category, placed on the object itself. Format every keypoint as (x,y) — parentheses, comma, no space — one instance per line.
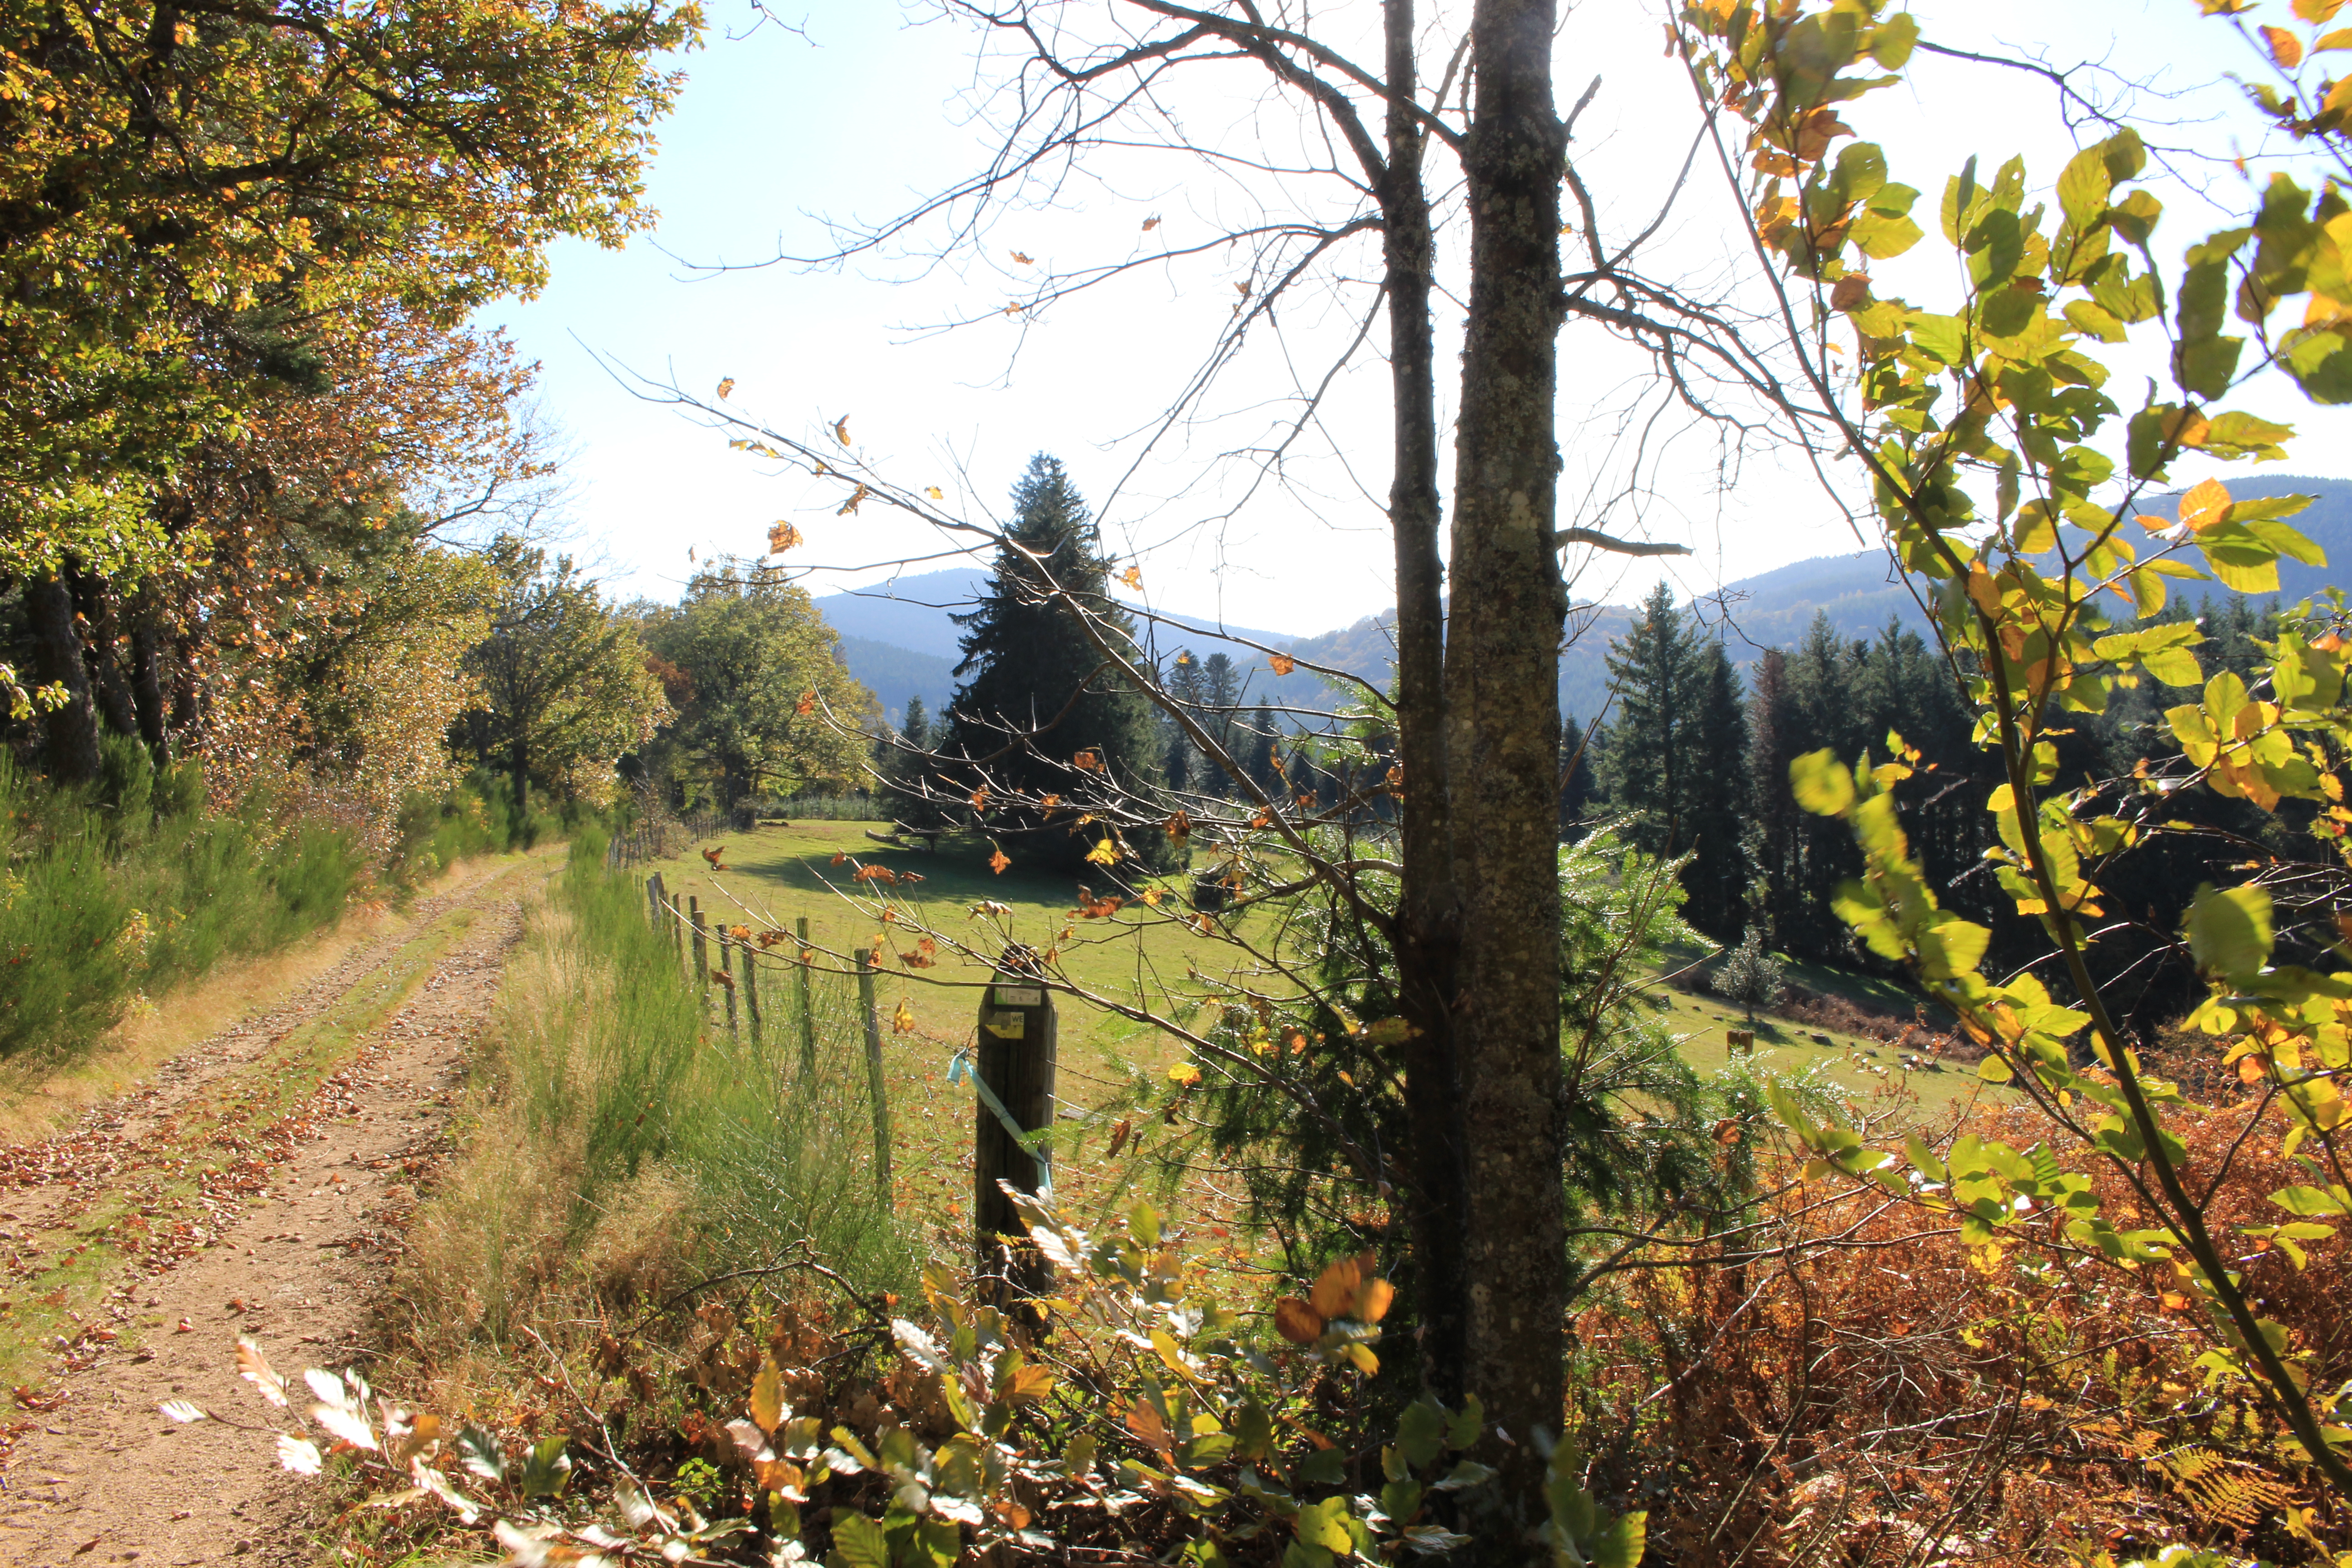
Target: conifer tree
(1265,760)
(1671,757)
(1035,690)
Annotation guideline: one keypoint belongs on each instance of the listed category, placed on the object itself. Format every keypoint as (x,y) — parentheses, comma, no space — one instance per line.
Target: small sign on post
(1742,1041)
(1016,1071)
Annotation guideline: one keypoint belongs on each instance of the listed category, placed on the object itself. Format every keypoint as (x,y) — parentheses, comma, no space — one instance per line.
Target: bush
(131,886)
(1750,975)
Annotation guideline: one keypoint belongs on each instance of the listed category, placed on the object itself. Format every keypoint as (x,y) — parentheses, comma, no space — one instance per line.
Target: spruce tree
(1264,760)
(1034,689)
(1673,758)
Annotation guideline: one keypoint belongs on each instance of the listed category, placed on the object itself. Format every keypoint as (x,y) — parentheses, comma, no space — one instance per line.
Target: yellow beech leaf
(902,1022)
(725,386)
(767,1396)
(2205,505)
(1103,854)
(841,429)
(1133,578)
(2285,47)
(936,493)
(782,536)
(1184,1073)
(1335,1288)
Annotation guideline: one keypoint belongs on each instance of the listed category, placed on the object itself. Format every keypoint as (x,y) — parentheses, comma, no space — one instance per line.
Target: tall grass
(132,885)
(626,1147)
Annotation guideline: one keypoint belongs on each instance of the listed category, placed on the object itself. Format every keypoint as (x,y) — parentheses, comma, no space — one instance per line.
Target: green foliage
(564,688)
(132,887)
(1037,699)
(771,708)
(1679,720)
(2005,476)
(1750,975)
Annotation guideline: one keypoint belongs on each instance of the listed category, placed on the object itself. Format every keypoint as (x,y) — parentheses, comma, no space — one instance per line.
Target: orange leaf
(1145,1422)
(1151,223)
(1373,1299)
(1087,761)
(725,387)
(1335,1288)
(1297,1321)
(1180,827)
(806,705)
(1118,1136)
(2206,505)
(997,862)
(782,536)
(1133,578)
(841,432)
(839,855)
(979,798)
(1281,663)
(1024,260)
(2285,47)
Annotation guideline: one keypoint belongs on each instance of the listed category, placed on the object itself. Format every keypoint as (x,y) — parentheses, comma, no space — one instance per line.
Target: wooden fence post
(874,1080)
(1017,1058)
(701,949)
(654,901)
(752,990)
(808,1012)
(727,978)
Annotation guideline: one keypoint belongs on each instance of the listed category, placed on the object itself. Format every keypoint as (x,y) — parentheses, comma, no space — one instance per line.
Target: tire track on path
(257,1187)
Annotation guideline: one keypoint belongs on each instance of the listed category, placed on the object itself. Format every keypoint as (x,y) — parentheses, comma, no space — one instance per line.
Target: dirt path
(256,1187)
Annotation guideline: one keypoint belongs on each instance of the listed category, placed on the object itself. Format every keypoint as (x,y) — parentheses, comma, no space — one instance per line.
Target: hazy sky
(777,130)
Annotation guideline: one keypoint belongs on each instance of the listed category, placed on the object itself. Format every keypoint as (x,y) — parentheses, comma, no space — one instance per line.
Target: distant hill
(898,640)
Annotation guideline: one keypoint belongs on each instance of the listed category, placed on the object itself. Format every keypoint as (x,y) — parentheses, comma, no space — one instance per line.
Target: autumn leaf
(725,387)
(839,855)
(935,492)
(1087,761)
(723,978)
(1297,1321)
(1024,260)
(1151,896)
(998,862)
(1103,854)
(1263,819)
(856,498)
(806,705)
(979,798)
(991,907)
(782,536)
(1178,827)
(902,1022)
(841,429)
(1118,1136)
(1335,1288)
(2285,47)
(1133,578)
(1151,223)
(1281,663)
(1853,292)
(2204,505)
(1183,1073)
(1145,1422)
(255,1368)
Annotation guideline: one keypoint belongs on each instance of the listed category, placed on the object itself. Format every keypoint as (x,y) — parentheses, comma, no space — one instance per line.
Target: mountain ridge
(903,636)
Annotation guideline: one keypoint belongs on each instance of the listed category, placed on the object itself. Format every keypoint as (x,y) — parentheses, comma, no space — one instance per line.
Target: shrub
(1750,975)
(132,885)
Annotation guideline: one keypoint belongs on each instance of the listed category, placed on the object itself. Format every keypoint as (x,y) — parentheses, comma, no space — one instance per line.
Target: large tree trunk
(71,731)
(1503,744)
(1427,932)
(94,596)
(147,679)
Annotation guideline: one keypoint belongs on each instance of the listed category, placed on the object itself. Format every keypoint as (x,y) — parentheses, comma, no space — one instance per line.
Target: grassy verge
(621,1148)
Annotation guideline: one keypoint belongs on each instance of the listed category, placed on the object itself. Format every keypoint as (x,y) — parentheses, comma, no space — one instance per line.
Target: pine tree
(917,731)
(1671,757)
(1033,687)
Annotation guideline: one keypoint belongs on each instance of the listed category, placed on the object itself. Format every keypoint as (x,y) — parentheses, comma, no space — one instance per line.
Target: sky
(860,110)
